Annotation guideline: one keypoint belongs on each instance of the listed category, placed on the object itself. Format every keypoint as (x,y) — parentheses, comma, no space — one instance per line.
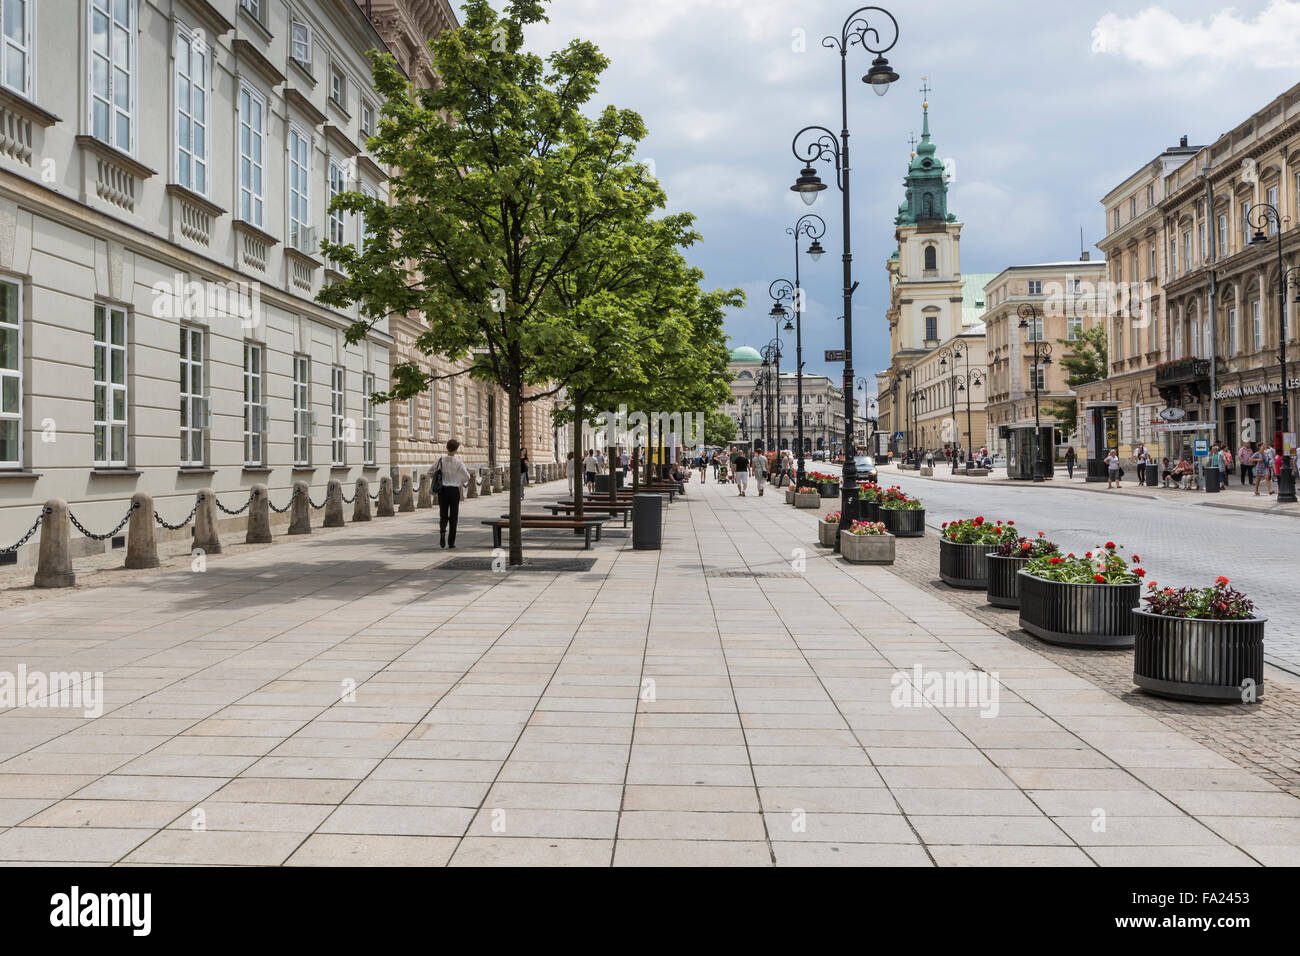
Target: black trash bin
(647,522)
(602,483)
(1211,479)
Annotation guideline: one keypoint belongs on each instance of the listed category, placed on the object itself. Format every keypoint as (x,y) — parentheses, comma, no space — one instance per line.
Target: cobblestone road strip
(1263,738)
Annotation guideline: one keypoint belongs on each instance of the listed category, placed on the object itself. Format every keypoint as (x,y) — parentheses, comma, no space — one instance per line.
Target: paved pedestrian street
(740,697)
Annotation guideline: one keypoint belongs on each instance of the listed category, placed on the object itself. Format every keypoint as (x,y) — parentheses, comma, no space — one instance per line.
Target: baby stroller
(724,472)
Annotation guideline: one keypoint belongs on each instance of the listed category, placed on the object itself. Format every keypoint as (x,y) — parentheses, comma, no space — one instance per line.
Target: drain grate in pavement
(752,574)
(530,564)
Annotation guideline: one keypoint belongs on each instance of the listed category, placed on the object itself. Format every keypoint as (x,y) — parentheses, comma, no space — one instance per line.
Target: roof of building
(972,295)
(745,353)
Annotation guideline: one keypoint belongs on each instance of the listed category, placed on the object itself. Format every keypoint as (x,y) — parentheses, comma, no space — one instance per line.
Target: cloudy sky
(1044,107)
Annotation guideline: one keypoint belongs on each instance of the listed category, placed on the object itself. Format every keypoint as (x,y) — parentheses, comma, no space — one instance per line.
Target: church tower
(925,275)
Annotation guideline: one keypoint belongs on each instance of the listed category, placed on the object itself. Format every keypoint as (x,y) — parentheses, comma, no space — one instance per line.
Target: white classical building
(765,412)
(165,167)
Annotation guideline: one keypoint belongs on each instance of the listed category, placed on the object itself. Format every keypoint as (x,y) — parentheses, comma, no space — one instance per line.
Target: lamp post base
(1286,483)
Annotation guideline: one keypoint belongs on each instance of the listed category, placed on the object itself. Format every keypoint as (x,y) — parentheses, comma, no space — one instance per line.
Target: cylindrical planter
(1003,585)
(1199,659)
(1078,615)
(812,500)
(963,565)
(867,548)
(826,532)
(830,489)
(903,523)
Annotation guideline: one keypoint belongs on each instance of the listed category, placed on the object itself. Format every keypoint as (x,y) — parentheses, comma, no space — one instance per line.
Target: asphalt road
(1180,541)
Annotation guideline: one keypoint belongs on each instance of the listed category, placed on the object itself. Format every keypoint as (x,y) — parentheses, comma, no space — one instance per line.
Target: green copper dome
(927,191)
(745,354)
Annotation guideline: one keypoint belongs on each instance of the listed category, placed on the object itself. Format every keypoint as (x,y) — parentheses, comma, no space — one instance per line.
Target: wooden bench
(584,526)
(627,494)
(619,508)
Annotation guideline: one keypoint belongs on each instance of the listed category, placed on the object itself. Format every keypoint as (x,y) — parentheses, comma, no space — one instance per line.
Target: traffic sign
(1200,447)
(898,436)
(835,355)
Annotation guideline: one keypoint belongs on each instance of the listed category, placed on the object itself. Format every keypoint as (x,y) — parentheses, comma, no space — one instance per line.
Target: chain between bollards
(177,527)
(287,505)
(28,536)
(240,511)
(108,534)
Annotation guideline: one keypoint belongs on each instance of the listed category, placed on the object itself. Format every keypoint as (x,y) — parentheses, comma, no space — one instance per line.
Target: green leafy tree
(504,183)
(1087,361)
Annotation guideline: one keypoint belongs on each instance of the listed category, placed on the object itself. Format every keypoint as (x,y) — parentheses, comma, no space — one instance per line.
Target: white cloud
(1156,38)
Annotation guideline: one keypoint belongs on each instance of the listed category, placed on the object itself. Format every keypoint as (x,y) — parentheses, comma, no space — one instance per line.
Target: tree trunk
(577,455)
(635,468)
(515,398)
(613,460)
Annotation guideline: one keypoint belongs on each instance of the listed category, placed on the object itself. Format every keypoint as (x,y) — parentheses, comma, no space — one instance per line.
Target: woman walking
(1244,455)
(449,476)
(1069,461)
(523,466)
(1263,469)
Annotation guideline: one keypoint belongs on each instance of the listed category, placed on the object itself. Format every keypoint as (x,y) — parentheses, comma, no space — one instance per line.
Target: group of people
(739,466)
(1254,461)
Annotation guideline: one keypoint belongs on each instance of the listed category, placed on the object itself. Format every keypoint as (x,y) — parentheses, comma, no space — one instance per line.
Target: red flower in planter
(1011,522)
(1055,560)
(1220,580)
(1026,546)
(1087,554)
(1110,545)
(1098,578)
(1140,572)
(1136,559)
(979,521)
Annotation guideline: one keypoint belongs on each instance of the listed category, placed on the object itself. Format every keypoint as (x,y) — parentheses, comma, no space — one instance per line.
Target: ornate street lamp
(1029,319)
(1259,216)
(814,227)
(858,30)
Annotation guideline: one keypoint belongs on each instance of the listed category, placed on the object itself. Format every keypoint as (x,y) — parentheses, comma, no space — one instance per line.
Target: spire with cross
(925,89)
(911,142)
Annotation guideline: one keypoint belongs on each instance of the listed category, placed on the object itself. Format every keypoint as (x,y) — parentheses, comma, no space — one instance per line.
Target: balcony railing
(1182,371)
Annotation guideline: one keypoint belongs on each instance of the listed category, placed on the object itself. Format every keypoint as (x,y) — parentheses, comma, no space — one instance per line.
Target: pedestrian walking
(523,467)
(448,477)
(760,472)
(1069,462)
(716,465)
(1244,456)
(741,465)
(1113,471)
(1262,468)
(590,468)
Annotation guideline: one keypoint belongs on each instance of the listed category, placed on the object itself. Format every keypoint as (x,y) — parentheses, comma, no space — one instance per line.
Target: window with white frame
(112,72)
(369,426)
(338,438)
(16,49)
(11,375)
(1178,340)
(1201,245)
(191,111)
(255,7)
(1187,251)
(1151,261)
(252,144)
(300,43)
(1035,329)
(1153,333)
(300,232)
(194,402)
(1257,325)
(1272,201)
(254,404)
(1074,327)
(338,88)
(367,119)
(1035,287)
(302,414)
(433,411)
(1223,235)
(337,223)
(1245,224)
(1117,342)
(364,232)
(110,387)
(1038,378)
(1232,332)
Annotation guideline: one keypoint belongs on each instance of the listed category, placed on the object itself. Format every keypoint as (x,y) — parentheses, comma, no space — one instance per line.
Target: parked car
(819,454)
